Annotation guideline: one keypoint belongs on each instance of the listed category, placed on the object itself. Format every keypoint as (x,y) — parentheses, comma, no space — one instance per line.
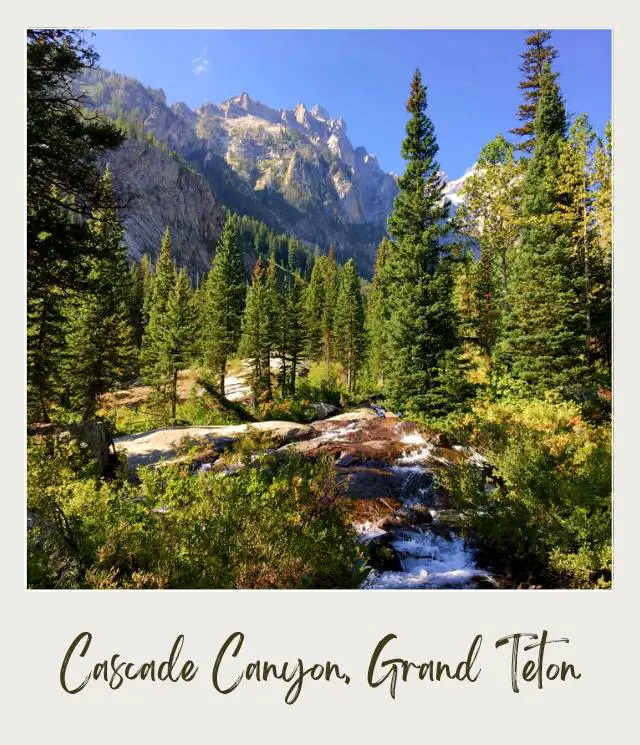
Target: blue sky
(363,76)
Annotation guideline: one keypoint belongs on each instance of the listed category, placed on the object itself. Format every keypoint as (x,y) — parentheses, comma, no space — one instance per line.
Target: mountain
(155,190)
(452,189)
(294,169)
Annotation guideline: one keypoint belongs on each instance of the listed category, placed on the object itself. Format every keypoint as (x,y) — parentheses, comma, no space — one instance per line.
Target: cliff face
(157,191)
(295,169)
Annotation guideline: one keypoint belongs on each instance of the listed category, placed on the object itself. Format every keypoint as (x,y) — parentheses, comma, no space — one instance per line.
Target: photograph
(319,309)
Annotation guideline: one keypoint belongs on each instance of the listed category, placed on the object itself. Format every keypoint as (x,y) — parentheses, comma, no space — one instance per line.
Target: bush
(274,524)
(546,511)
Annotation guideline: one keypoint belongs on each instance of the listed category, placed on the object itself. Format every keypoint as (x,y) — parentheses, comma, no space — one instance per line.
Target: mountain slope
(294,169)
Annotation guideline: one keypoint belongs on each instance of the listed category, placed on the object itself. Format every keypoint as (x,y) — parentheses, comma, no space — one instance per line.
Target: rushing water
(430,558)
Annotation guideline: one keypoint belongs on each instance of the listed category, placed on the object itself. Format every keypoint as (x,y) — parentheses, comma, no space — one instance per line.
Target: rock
(382,555)
(322,410)
(418,515)
(160,444)
(441,440)
(395,521)
(369,483)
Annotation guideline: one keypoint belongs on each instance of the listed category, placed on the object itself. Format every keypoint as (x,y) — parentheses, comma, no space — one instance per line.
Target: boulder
(369,482)
(322,410)
(382,555)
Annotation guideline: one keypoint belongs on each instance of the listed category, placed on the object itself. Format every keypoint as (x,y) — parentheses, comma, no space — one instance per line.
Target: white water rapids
(430,559)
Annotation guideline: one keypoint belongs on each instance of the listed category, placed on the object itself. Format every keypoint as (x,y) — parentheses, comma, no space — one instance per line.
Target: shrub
(276,523)
(546,514)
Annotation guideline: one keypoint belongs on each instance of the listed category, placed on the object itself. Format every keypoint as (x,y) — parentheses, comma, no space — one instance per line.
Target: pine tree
(538,54)
(63,186)
(332,284)
(422,324)
(314,302)
(544,343)
(377,317)
(601,265)
(576,197)
(146,279)
(223,304)
(257,333)
(163,281)
(100,351)
(295,319)
(349,324)
(176,336)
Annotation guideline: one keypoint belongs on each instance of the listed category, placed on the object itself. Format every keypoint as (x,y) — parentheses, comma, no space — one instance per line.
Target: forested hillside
(474,361)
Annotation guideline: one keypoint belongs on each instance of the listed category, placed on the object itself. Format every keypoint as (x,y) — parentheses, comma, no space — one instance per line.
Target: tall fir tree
(314,302)
(601,265)
(147,272)
(223,305)
(63,186)
(422,323)
(539,53)
(576,198)
(100,350)
(295,319)
(332,284)
(257,333)
(349,324)
(176,337)
(163,281)
(544,342)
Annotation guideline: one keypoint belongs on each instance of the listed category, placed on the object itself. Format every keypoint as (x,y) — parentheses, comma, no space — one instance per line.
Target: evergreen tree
(63,180)
(223,304)
(349,324)
(422,323)
(538,54)
(100,350)
(146,270)
(576,197)
(257,333)
(601,264)
(295,319)
(314,302)
(377,317)
(332,284)
(544,344)
(176,336)
(163,282)
(136,302)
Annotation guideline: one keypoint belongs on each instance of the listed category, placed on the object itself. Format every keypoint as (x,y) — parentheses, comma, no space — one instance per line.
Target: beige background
(316,626)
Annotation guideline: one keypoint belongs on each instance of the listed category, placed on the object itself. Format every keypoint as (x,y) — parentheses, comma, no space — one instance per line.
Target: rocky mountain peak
(320,112)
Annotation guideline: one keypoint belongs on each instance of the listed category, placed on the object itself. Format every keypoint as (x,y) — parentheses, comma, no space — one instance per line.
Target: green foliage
(63,186)
(422,327)
(349,324)
(274,524)
(223,305)
(545,340)
(258,332)
(99,352)
(545,513)
(535,58)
